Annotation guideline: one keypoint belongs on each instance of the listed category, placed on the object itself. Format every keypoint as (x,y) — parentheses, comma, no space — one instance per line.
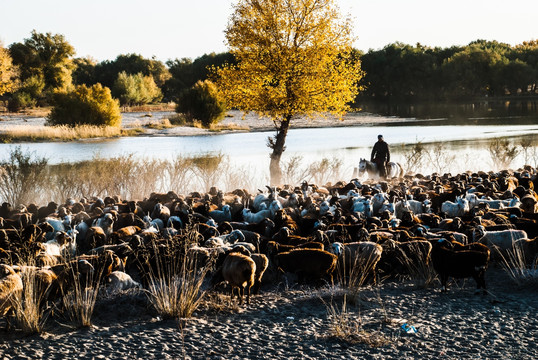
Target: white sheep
(498,241)
(255,218)
(458,208)
(224,214)
(362,206)
(105,222)
(378,201)
(400,208)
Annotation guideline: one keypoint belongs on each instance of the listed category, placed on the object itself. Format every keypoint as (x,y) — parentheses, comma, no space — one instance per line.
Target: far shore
(32,128)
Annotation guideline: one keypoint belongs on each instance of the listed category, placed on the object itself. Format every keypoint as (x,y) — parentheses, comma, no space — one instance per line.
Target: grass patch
(159,124)
(348,326)
(176,279)
(520,271)
(30,310)
(79,302)
(58,133)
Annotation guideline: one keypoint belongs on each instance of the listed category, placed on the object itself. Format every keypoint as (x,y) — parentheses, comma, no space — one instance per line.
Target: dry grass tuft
(61,133)
(175,284)
(519,269)
(30,309)
(348,326)
(79,302)
(420,271)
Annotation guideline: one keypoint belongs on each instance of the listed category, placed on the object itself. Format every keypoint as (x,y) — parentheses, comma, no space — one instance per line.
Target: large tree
(8,72)
(45,56)
(294,58)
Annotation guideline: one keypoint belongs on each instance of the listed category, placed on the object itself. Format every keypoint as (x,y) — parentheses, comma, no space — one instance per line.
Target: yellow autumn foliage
(294,57)
(8,72)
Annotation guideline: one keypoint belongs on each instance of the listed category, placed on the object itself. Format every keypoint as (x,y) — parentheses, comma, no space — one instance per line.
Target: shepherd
(381,156)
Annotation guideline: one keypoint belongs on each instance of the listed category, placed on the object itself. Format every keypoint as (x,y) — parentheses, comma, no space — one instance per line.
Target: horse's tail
(400,176)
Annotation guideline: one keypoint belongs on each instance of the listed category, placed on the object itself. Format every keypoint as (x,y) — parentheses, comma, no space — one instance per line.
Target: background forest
(33,70)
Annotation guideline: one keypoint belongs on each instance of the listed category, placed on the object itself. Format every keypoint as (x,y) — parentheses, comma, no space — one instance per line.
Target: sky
(175,29)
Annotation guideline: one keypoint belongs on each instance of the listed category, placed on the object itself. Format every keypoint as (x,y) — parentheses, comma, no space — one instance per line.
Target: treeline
(482,68)
(32,71)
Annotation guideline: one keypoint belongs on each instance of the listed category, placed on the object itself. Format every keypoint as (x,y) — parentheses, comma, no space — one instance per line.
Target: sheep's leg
(241,291)
(232,295)
(248,294)
(444,281)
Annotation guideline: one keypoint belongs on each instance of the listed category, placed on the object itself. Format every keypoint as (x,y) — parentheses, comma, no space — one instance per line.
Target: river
(461,144)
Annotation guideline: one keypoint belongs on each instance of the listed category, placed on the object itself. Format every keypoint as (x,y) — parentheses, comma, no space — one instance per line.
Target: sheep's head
(337,248)
(478,232)
(6,270)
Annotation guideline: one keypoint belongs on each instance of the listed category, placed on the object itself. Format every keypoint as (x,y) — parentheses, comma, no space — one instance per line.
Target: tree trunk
(277,144)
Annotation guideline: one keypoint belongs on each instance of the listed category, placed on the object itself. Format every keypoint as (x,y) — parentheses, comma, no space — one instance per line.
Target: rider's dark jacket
(381,151)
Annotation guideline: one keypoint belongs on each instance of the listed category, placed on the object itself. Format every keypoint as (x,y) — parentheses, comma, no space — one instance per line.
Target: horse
(394,170)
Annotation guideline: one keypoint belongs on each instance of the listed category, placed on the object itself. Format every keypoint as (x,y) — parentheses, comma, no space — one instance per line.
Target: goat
(459,264)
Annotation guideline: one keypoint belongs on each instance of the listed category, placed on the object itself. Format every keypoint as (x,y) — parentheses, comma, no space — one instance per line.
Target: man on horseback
(381,156)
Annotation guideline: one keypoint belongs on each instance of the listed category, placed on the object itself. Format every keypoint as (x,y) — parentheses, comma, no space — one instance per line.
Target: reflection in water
(460,113)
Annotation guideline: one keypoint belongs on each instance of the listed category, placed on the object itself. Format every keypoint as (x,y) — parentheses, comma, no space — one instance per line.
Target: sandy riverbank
(234,119)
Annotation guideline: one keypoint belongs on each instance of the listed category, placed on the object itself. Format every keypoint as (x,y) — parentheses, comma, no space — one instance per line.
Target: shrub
(85,105)
(136,89)
(20,100)
(22,177)
(502,152)
(201,102)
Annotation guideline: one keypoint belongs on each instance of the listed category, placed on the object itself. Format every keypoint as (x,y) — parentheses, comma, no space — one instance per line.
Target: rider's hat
(380,136)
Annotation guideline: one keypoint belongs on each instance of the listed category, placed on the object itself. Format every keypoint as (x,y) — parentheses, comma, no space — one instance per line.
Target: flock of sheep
(457,224)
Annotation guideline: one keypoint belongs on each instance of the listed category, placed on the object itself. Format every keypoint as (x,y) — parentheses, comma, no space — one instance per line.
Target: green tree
(472,72)
(84,71)
(293,58)
(107,72)
(202,102)
(136,89)
(85,106)
(47,56)
(185,72)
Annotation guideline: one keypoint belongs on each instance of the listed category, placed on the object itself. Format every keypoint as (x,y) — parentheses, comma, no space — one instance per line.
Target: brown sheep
(239,271)
(262,262)
(274,248)
(10,288)
(308,264)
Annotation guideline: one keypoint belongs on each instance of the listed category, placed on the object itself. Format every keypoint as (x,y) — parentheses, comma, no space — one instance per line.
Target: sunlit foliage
(136,89)
(8,72)
(85,105)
